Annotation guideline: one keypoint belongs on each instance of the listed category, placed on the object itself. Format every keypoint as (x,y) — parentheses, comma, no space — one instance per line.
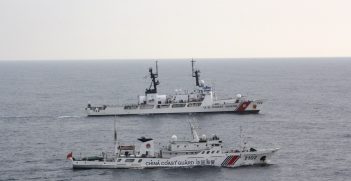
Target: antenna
(241,140)
(213,89)
(115,134)
(156,68)
(242,145)
(192,66)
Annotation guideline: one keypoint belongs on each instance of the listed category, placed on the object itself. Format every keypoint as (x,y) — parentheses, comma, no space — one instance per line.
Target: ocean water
(307,114)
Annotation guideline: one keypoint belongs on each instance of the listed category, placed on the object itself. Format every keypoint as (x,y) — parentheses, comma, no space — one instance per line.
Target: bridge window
(129,160)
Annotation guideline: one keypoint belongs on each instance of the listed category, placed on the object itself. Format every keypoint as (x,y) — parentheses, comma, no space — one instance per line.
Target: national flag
(70,156)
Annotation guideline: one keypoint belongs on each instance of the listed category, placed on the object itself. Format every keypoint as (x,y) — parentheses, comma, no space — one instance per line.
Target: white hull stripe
(230,160)
(226,160)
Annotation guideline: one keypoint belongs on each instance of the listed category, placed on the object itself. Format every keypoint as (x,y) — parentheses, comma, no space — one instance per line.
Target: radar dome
(174,138)
(238,95)
(203,137)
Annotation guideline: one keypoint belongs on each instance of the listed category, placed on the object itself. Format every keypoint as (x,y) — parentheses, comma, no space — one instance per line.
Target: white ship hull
(111,110)
(201,159)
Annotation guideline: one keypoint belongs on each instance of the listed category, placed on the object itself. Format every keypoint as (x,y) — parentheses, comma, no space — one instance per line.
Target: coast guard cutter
(200,151)
(201,100)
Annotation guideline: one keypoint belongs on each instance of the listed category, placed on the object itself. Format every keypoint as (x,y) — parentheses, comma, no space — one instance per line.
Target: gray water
(307,114)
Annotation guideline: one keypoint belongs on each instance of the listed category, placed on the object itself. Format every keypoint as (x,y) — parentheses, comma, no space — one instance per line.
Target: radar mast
(195,72)
(154,82)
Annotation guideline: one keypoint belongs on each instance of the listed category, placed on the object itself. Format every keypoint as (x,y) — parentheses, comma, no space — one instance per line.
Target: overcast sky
(117,29)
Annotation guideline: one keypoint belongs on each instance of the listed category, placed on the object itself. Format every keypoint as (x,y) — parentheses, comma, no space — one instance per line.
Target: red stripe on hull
(243,106)
(233,160)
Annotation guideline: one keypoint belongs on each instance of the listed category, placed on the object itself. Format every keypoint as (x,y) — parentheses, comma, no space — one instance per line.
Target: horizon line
(163,59)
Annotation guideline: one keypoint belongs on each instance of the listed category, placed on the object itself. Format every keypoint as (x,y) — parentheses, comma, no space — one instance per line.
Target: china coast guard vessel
(200,151)
(201,100)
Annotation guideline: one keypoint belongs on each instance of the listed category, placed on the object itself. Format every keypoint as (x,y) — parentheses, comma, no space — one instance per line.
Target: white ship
(201,100)
(186,153)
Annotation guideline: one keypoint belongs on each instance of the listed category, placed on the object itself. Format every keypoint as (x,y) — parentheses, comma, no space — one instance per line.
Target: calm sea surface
(307,114)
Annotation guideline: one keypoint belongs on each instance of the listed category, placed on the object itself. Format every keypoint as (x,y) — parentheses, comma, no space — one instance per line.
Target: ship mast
(115,136)
(195,73)
(193,131)
(154,82)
